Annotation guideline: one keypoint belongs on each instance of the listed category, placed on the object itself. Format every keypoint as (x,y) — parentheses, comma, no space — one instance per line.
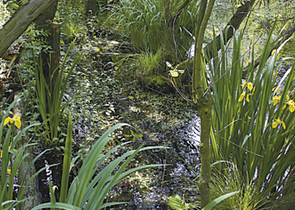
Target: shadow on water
(178,177)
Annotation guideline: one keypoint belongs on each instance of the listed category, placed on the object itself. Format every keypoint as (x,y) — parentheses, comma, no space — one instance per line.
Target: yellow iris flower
(291,105)
(250,85)
(277,122)
(247,98)
(9,171)
(276,99)
(242,96)
(8,150)
(244,85)
(15,119)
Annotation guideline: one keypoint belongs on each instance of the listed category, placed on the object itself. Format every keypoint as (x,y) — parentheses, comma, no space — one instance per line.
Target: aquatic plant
(50,103)
(231,181)
(252,121)
(89,189)
(11,159)
(179,204)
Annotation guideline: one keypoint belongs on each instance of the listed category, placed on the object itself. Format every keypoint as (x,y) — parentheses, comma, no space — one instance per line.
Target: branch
(20,21)
(234,22)
(180,9)
(286,35)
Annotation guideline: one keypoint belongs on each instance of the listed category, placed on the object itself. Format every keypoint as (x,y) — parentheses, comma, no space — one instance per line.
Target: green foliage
(221,184)
(70,16)
(4,13)
(66,163)
(149,69)
(178,204)
(159,81)
(32,41)
(70,30)
(50,103)
(218,200)
(10,162)
(13,5)
(146,24)
(257,28)
(148,63)
(89,189)
(253,123)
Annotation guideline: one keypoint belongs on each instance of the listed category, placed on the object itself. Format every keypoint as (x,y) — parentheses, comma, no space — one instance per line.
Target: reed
(11,159)
(253,122)
(50,103)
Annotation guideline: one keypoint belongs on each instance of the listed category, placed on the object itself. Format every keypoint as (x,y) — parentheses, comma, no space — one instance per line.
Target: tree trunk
(205,113)
(50,58)
(20,21)
(203,100)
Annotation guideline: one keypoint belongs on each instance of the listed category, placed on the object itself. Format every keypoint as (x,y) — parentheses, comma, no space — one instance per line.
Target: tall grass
(146,24)
(177,203)
(253,120)
(229,180)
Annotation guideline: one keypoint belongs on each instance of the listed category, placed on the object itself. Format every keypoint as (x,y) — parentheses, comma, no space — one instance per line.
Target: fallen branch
(285,35)
(234,24)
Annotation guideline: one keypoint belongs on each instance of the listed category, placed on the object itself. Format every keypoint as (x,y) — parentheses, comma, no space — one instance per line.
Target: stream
(145,189)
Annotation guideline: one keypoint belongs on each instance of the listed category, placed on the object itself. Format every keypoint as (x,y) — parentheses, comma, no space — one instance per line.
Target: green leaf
(245,140)
(66,163)
(218,200)
(176,203)
(57,205)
